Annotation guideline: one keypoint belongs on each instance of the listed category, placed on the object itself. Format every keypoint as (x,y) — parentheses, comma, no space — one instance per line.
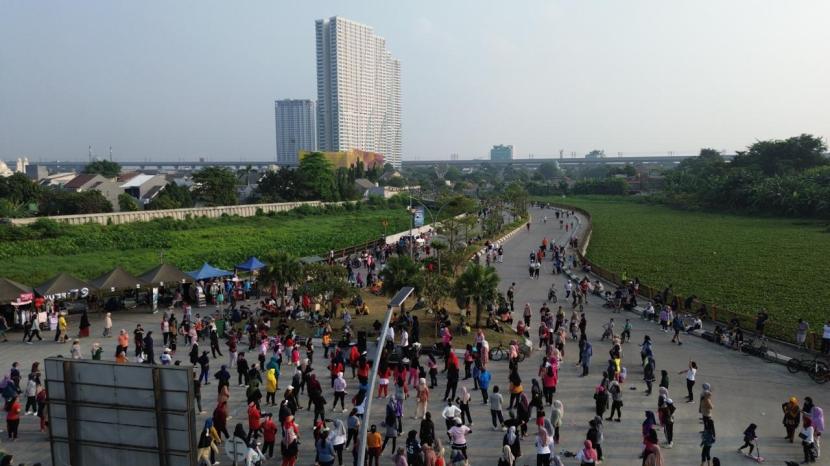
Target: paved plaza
(745,389)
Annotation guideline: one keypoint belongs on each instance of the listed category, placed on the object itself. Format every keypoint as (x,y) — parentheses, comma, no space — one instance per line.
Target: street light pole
(396,302)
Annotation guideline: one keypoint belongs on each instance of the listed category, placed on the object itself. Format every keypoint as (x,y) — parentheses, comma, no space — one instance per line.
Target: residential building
(144,187)
(92,182)
(501,152)
(296,127)
(358,90)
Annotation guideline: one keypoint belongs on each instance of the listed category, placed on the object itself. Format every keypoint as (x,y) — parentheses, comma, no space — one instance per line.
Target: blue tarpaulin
(208,271)
(251,264)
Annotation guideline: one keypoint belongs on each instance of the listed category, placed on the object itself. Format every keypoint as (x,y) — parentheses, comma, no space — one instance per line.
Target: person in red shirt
(269,433)
(254,422)
(13,418)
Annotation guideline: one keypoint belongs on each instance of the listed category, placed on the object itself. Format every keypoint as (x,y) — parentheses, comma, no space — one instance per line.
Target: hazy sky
(186,79)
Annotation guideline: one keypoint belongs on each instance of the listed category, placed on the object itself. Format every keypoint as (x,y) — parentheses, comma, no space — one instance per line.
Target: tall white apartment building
(296,129)
(358,90)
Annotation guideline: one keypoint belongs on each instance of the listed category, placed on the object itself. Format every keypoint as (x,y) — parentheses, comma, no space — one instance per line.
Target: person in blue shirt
(484,383)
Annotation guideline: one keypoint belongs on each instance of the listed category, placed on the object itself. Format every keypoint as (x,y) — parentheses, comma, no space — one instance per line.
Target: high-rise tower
(358,90)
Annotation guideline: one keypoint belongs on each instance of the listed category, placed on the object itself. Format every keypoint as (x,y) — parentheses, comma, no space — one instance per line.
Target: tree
(316,178)
(477,283)
(172,196)
(548,170)
(69,203)
(215,186)
(279,186)
(516,195)
(435,287)
(281,269)
(19,189)
(779,157)
(104,168)
(127,203)
(330,282)
(400,271)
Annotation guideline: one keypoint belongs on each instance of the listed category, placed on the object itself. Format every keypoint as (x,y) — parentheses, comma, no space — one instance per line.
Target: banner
(155,299)
(419,217)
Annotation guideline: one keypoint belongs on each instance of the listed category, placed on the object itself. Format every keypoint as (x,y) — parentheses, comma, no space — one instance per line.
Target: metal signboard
(101,412)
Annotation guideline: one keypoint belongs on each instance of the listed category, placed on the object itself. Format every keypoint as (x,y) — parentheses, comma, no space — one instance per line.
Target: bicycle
(817,369)
(498,353)
(762,350)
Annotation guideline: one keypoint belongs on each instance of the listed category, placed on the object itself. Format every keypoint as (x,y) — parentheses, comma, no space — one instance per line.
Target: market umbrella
(10,290)
(63,283)
(164,274)
(208,271)
(251,264)
(117,279)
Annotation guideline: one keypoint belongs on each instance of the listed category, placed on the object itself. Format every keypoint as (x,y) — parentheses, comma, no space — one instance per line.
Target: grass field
(741,263)
(87,251)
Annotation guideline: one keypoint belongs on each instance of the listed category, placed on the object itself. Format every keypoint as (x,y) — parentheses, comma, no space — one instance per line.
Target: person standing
(585,357)
(792,416)
(107,325)
(148,348)
(484,383)
(13,418)
(422,397)
(801,330)
(616,400)
(691,373)
(707,440)
(83,328)
(557,416)
(544,447)
(665,414)
(60,331)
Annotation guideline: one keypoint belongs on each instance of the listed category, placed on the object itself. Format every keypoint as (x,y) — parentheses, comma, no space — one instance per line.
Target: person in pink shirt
(458,437)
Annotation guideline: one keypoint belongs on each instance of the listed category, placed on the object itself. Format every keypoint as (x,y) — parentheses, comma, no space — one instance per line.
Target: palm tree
(439,246)
(477,283)
(281,269)
(399,272)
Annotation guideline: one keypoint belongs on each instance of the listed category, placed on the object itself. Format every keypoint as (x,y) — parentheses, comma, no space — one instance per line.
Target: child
(749,438)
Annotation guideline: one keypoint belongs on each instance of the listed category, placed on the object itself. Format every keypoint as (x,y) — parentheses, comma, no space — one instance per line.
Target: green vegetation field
(87,251)
(741,263)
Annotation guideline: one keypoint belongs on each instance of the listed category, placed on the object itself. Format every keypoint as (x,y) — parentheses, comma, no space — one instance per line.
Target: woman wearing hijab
(511,439)
(239,432)
(427,431)
(649,423)
(290,440)
(523,413)
(587,456)
(557,416)
(652,455)
(84,326)
(220,418)
(544,447)
(506,458)
(423,399)
(337,437)
(206,444)
(429,455)
(792,416)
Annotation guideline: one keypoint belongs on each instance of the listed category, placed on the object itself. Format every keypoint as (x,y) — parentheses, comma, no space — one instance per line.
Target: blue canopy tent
(251,264)
(208,271)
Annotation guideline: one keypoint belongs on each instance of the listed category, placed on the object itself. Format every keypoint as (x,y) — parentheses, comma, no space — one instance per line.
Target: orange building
(345,159)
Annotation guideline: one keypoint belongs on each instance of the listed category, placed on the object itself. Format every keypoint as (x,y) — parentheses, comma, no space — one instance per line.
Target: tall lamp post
(396,302)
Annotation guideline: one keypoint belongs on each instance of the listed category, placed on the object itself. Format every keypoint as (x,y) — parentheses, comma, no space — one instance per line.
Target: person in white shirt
(691,373)
(449,414)
(544,447)
(404,338)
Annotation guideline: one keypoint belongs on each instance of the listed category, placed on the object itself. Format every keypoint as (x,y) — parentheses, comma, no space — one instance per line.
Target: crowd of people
(258,360)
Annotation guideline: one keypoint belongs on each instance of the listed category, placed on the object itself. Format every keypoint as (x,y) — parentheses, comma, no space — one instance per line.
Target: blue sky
(186,79)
